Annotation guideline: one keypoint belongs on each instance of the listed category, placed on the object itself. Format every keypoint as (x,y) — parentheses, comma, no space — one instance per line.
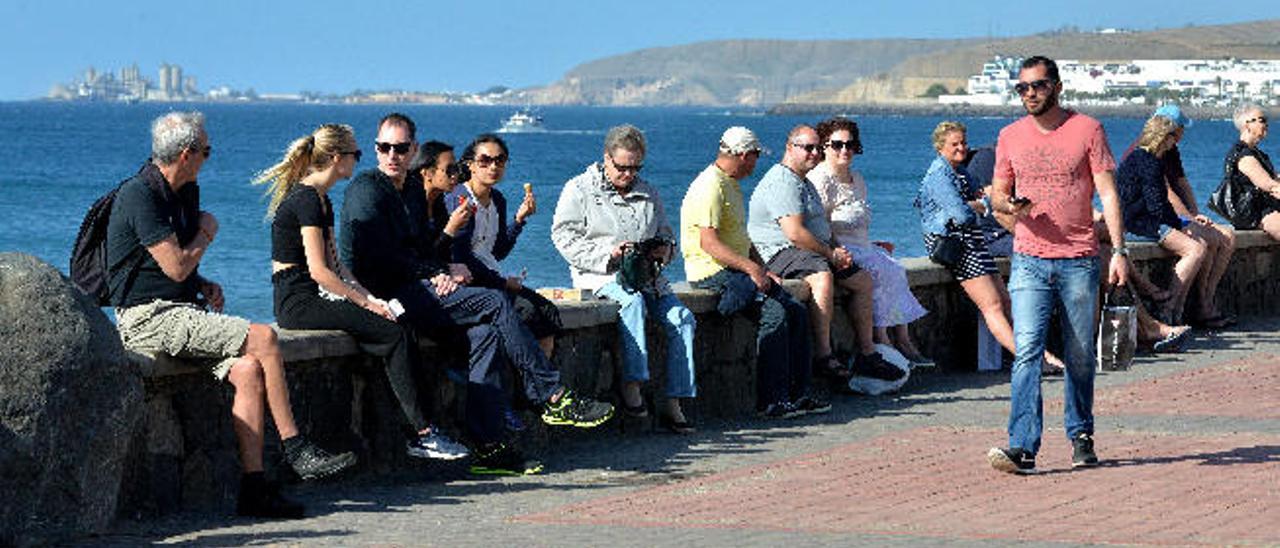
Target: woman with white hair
(1247,165)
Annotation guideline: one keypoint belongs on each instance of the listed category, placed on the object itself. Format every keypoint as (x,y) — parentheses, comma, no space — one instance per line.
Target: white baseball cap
(738,140)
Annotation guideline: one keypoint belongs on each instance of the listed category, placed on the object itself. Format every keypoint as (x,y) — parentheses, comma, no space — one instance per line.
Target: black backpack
(89,256)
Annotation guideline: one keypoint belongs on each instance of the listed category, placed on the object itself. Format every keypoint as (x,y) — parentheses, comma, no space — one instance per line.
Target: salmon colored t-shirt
(1055,170)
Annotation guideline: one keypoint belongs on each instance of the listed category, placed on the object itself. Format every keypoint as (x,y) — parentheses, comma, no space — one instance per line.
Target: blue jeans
(1037,286)
(783,351)
(495,337)
(677,322)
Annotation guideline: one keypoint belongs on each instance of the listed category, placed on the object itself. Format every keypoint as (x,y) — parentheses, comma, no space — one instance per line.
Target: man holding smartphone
(1056,159)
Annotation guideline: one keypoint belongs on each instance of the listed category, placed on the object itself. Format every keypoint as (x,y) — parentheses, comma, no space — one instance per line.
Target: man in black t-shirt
(155,240)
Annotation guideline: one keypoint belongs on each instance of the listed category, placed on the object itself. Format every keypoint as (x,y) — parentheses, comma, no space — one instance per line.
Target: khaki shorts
(184,330)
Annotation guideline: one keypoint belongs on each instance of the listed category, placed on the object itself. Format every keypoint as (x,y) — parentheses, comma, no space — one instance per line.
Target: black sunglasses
(400,148)
(452,170)
(1042,85)
(1260,119)
(206,151)
(854,146)
(483,160)
(809,148)
(357,153)
(626,169)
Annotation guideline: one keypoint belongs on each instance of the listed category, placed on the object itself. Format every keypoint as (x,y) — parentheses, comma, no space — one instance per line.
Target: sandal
(828,366)
(636,412)
(674,426)
(1218,321)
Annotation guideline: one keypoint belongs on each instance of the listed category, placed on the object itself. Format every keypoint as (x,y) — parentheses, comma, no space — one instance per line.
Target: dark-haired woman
(487,238)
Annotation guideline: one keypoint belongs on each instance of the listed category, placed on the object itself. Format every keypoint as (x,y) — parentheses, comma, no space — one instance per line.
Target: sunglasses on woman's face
(484,160)
(853,146)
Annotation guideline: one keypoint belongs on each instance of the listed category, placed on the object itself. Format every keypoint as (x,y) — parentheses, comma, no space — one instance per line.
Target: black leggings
(298,305)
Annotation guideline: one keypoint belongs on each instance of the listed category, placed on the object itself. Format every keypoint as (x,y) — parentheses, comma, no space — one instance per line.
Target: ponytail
(312,152)
(282,177)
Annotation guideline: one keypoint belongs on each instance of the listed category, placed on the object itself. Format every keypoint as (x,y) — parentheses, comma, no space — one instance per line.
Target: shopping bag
(1117,329)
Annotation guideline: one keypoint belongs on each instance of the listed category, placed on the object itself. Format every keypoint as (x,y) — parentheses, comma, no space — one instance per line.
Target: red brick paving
(1154,488)
(1228,389)
(934,482)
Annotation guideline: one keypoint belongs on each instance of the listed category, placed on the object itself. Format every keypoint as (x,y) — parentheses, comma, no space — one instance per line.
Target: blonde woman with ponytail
(313,290)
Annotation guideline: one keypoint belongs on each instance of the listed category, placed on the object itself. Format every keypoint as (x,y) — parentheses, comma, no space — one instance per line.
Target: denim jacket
(942,196)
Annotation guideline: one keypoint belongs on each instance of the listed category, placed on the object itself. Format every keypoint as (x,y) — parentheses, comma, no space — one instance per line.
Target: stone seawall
(185,455)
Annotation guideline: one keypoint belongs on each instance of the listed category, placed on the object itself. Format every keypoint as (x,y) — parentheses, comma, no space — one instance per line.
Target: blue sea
(57,158)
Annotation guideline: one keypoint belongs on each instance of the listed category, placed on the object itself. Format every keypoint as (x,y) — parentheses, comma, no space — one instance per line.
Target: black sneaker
(780,410)
(1082,455)
(808,405)
(1012,460)
(574,411)
(265,501)
(312,462)
(873,365)
(503,460)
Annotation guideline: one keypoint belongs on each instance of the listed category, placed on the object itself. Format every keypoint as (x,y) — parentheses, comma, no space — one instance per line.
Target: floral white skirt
(893,302)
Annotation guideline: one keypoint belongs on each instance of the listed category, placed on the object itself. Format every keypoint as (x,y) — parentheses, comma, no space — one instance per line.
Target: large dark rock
(69,403)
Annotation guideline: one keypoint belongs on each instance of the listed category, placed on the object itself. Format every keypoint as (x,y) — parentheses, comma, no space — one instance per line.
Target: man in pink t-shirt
(1048,166)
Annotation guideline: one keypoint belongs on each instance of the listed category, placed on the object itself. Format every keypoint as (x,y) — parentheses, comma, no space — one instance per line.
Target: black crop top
(303,206)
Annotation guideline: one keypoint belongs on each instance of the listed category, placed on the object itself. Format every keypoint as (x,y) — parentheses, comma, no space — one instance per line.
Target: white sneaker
(435,445)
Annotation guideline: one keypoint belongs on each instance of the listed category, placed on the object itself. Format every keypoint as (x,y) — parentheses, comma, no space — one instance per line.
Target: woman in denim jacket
(950,204)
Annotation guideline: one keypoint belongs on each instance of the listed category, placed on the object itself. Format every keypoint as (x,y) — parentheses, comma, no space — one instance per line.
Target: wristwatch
(1122,251)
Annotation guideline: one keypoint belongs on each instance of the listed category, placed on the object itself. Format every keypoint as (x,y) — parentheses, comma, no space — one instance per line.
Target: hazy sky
(469,45)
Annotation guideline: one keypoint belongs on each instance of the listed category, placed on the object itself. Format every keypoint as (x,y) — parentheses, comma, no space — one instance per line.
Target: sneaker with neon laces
(1012,460)
(435,445)
(1082,455)
(571,410)
(503,460)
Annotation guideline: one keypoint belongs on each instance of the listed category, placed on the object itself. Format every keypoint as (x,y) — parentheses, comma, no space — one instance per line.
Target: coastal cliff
(761,73)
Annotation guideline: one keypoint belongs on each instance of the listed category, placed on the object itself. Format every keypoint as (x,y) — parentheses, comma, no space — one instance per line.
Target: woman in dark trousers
(314,291)
(488,238)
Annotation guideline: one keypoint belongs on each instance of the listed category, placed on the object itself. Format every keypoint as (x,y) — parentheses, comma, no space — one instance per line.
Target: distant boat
(522,121)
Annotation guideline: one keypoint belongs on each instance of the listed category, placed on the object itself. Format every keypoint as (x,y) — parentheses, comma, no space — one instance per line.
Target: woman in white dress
(844,196)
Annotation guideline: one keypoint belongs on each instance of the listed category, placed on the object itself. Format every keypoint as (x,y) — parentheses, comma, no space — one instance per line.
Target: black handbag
(1235,203)
(948,250)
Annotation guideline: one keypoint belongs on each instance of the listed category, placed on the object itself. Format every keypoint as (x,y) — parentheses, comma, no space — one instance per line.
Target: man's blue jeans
(677,322)
(1036,287)
(783,369)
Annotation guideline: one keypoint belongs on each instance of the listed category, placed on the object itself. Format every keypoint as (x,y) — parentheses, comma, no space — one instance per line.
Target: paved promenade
(1190,449)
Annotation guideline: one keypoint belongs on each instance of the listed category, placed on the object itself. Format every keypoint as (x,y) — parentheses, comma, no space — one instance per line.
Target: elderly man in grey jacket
(606,216)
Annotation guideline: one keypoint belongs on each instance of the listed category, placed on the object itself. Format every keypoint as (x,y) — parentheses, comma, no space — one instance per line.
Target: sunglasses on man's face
(632,169)
(386,148)
(809,148)
(1042,85)
(206,150)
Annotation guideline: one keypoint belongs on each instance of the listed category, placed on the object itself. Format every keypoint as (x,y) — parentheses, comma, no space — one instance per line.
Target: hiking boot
(780,410)
(259,500)
(503,460)
(574,411)
(435,445)
(1012,460)
(1082,455)
(808,405)
(311,462)
(873,365)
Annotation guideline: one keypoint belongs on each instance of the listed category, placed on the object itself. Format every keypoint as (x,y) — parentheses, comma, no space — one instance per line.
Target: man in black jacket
(388,250)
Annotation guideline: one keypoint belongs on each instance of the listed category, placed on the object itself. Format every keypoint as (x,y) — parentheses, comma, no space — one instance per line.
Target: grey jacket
(592,219)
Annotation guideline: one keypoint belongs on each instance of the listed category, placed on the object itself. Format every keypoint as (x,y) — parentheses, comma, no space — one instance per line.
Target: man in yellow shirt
(718,256)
